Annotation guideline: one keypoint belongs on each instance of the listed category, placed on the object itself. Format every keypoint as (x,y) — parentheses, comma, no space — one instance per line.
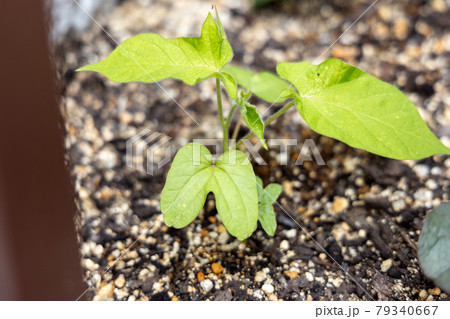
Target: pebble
(207,285)
(291,274)
(309,276)
(287,188)
(257,294)
(284,245)
(422,171)
(385,265)
(291,233)
(223,238)
(260,276)
(120,281)
(105,293)
(423,294)
(216,268)
(200,276)
(340,204)
(107,158)
(268,288)
(436,291)
(398,205)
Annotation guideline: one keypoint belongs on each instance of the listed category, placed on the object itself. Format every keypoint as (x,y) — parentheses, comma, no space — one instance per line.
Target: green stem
(266,122)
(230,115)
(222,120)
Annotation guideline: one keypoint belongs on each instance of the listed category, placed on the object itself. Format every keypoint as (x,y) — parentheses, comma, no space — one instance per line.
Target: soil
(347,230)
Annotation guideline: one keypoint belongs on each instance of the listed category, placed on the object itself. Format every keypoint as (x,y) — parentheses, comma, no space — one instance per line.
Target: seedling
(336,99)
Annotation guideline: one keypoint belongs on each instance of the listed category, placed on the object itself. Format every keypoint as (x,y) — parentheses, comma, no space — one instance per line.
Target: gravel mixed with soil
(365,210)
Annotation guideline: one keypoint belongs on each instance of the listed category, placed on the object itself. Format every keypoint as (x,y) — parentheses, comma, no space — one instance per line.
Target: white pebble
(309,276)
(260,276)
(268,288)
(207,285)
(421,170)
(284,245)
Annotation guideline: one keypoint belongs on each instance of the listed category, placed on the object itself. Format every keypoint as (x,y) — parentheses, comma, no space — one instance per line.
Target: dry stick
(267,122)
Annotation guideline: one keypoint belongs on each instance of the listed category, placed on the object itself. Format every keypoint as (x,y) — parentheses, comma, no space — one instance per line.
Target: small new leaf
(265,85)
(251,117)
(267,197)
(193,175)
(151,57)
(343,102)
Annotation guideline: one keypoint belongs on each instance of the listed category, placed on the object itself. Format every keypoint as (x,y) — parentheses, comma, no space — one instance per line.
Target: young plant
(336,99)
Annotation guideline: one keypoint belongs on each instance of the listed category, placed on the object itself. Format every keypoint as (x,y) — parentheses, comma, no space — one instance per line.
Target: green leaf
(150,57)
(193,175)
(184,193)
(271,193)
(265,85)
(343,102)
(266,217)
(233,185)
(267,197)
(251,117)
(433,246)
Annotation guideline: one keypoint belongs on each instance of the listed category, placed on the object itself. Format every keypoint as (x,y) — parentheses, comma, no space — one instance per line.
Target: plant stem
(236,129)
(222,120)
(266,122)
(230,115)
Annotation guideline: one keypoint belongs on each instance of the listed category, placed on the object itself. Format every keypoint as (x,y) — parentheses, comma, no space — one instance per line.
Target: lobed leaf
(265,85)
(343,102)
(193,175)
(151,57)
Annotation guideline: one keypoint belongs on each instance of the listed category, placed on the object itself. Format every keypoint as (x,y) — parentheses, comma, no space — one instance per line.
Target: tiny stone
(260,276)
(399,205)
(200,276)
(423,294)
(291,233)
(287,188)
(120,281)
(216,268)
(385,265)
(206,285)
(309,276)
(291,274)
(340,204)
(284,245)
(105,293)
(421,170)
(436,291)
(268,288)
(257,294)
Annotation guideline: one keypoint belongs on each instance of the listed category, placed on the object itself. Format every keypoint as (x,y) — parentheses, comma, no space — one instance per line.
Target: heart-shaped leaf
(194,174)
(343,102)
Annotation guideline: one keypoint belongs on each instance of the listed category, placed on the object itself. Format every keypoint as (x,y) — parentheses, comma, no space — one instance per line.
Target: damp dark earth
(347,230)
